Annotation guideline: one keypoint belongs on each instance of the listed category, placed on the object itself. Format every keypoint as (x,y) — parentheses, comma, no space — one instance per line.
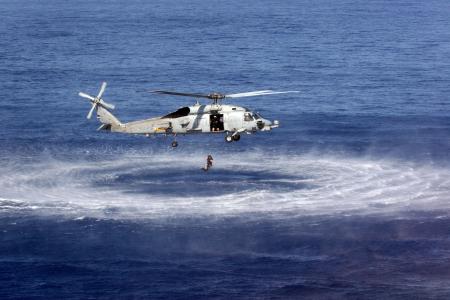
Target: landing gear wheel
(228,138)
(174,144)
(236,137)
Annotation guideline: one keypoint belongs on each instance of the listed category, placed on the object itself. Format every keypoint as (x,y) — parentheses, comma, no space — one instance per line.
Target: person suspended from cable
(209,163)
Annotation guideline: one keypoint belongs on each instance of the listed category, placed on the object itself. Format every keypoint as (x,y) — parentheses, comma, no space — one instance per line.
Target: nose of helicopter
(268,125)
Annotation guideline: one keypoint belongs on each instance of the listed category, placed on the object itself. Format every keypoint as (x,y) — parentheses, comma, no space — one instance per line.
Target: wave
(171,184)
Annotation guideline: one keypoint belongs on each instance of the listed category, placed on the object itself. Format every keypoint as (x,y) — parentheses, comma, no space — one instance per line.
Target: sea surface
(348,199)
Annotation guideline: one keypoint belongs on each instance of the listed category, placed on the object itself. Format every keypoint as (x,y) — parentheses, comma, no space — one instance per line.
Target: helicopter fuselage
(199,118)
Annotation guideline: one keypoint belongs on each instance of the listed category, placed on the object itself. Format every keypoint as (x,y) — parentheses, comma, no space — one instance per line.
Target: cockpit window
(256,116)
(182,112)
(248,117)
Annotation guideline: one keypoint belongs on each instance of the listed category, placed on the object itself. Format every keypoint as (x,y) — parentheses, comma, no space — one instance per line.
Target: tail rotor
(97,101)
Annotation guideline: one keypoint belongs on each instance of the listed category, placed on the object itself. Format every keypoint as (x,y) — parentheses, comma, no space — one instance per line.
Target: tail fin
(106,117)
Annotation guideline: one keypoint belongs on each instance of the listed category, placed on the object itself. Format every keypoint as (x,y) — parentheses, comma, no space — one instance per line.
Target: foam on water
(167,185)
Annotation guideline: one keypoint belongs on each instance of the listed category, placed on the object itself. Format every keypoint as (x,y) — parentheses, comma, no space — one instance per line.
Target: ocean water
(348,199)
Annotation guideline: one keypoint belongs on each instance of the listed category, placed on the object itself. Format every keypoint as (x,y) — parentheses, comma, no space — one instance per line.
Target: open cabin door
(216,122)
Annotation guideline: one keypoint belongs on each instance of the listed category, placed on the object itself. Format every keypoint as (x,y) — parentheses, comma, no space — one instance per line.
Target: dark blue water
(349,198)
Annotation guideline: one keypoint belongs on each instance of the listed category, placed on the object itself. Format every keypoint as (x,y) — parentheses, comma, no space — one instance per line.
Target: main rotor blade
(258,93)
(216,96)
(91,111)
(102,90)
(81,94)
(180,94)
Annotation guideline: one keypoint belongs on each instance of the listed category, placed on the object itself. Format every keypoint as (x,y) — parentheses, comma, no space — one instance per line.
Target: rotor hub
(216,96)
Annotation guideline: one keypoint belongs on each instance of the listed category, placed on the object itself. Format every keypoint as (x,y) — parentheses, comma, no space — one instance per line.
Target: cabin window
(248,117)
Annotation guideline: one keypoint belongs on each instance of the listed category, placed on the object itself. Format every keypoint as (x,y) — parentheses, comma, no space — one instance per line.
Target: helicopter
(212,118)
